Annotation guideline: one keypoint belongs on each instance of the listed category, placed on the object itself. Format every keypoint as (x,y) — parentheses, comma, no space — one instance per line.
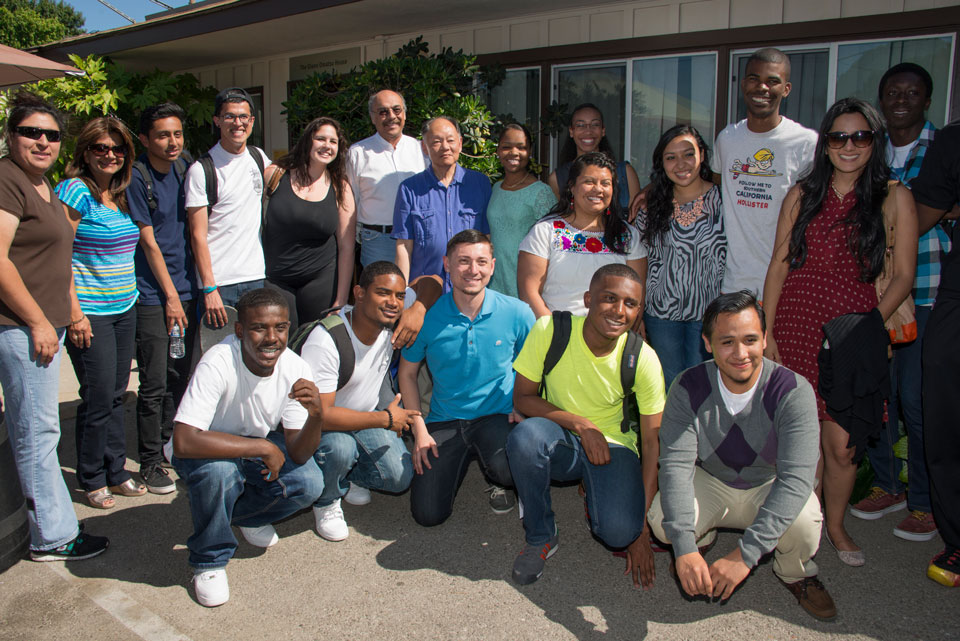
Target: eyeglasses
(100,149)
(580,125)
(34,133)
(396,111)
(838,139)
(229,117)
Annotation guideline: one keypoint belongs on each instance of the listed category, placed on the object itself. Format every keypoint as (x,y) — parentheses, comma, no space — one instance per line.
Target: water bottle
(177,348)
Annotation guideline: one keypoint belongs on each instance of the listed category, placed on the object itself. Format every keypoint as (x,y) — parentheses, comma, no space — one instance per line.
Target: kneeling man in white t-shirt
(244,438)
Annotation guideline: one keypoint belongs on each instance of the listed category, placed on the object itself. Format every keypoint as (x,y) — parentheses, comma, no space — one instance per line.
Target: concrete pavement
(392,579)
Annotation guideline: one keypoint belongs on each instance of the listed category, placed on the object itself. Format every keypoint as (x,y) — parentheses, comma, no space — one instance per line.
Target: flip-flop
(101,499)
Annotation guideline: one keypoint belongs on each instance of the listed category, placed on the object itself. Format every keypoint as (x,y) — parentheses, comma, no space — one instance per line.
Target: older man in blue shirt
(438,203)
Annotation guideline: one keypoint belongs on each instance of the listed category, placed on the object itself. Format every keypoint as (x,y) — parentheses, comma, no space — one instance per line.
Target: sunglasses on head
(862,138)
(34,133)
(100,149)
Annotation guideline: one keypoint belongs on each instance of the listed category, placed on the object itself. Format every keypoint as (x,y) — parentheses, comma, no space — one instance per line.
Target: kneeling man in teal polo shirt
(469,339)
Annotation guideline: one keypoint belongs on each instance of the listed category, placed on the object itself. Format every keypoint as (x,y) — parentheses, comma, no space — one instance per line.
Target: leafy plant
(30,23)
(431,84)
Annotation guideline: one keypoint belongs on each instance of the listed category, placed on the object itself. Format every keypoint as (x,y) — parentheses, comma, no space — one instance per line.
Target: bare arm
(172,307)
(905,252)
(779,268)
(552,182)
(428,288)
(197,221)
(527,401)
(346,243)
(423,443)
(633,188)
(404,250)
(531,276)
(302,443)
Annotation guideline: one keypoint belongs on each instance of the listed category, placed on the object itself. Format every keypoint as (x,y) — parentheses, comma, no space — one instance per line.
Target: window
(256,136)
(604,85)
(518,96)
(822,74)
(665,92)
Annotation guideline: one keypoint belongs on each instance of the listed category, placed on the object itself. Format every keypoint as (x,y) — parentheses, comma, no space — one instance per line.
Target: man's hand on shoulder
(694,574)
(727,573)
(307,394)
(402,418)
(411,320)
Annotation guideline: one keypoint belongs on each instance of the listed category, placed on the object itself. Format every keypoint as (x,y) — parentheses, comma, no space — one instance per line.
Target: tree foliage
(431,84)
(106,88)
(31,23)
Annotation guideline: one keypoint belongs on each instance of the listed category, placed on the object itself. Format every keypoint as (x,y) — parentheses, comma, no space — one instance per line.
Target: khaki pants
(719,505)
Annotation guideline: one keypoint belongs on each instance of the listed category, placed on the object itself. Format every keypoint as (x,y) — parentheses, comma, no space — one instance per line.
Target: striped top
(102,252)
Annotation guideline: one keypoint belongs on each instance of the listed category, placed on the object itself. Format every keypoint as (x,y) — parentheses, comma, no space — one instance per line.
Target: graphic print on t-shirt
(750,192)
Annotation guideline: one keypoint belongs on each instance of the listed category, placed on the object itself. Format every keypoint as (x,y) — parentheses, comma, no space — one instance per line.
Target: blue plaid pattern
(934,244)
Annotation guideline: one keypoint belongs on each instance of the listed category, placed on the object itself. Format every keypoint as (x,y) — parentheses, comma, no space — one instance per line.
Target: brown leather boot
(813,597)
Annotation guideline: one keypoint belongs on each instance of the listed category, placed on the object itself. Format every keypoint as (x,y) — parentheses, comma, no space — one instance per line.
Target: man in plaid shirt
(905,92)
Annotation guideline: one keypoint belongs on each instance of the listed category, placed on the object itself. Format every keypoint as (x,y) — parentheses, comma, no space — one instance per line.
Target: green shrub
(431,84)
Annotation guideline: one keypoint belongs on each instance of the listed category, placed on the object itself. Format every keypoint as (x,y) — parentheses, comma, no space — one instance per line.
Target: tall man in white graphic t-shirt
(757,160)
(223,199)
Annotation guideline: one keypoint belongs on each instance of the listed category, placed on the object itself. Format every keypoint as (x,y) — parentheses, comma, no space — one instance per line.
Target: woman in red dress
(829,251)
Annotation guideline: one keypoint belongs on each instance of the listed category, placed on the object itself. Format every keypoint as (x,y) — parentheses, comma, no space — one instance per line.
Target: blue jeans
(678,344)
(32,413)
(459,442)
(233,491)
(374,458)
(906,375)
(539,451)
(230,294)
(375,246)
(103,370)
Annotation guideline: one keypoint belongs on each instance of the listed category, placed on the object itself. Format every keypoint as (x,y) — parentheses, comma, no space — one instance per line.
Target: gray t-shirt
(757,171)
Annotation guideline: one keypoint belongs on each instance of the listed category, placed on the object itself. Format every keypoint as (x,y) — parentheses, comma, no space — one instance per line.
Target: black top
(938,186)
(299,236)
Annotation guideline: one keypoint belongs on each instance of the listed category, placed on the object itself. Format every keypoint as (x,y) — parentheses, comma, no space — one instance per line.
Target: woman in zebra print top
(682,228)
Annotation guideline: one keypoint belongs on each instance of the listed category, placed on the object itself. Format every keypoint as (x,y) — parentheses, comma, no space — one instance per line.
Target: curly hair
(78,167)
(297,162)
(615,227)
(660,196)
(866,238)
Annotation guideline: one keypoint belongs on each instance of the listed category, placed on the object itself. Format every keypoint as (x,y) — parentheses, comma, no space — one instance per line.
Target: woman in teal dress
(518,201)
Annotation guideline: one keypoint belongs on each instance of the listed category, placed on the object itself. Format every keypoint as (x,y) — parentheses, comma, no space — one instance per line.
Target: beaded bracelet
(389,418)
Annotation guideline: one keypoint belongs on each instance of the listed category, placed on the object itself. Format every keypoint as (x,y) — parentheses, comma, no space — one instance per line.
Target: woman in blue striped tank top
(103,273)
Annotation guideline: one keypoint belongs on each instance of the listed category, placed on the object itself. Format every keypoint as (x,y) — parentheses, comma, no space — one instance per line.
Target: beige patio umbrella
(18,67)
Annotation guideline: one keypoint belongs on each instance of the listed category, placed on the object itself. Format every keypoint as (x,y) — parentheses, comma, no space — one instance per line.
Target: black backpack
(333,323)
(210,174)
(180,166)
(562,328)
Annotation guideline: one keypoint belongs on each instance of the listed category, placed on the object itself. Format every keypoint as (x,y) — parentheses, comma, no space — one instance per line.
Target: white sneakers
(357,495)
(262,537)
(330,522)
(211,587)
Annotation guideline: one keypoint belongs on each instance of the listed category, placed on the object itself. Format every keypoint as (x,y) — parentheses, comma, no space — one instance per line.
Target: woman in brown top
(37,302)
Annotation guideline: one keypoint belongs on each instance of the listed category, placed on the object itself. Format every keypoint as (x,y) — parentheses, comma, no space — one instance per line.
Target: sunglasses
(100,149)
(35,133)
(838,139)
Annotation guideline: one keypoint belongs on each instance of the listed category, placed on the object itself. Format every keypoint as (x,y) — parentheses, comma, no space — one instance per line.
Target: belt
(383,229)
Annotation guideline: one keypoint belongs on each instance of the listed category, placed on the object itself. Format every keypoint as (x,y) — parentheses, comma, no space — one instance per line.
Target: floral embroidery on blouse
(570,239)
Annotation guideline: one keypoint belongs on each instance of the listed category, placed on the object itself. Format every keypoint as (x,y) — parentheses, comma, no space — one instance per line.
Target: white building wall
(591,23)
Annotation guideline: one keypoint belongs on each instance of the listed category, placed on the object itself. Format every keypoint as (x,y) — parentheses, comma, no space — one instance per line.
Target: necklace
(841,196)
(512,186)
(686,218)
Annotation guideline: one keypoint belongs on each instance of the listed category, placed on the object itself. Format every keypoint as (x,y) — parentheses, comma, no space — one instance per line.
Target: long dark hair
(615,229)
(78,167)
(569,149)
(297,162)
(866,238)
(660,195)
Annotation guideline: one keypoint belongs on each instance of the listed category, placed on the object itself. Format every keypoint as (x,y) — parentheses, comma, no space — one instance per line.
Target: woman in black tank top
(310,224)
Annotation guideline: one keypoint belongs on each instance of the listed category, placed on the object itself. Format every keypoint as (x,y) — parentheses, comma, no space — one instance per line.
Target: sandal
(129,488)
(101,499)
